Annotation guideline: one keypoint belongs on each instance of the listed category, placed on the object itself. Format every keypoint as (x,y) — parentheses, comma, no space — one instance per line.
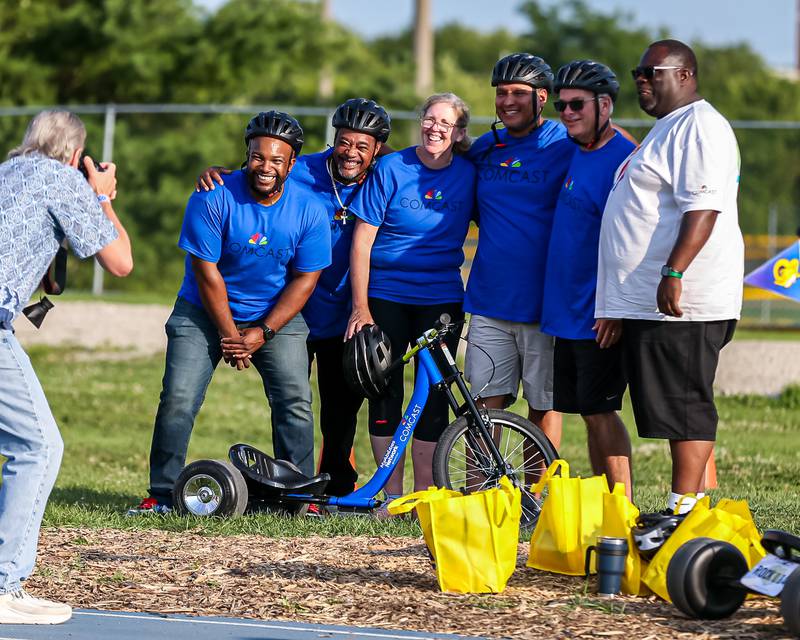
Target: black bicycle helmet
(276,124)
(367,356)
(589,75)
(524,68)
(365,116)
(653,529)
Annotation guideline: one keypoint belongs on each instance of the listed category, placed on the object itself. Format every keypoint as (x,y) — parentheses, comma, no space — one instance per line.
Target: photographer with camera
(44,200)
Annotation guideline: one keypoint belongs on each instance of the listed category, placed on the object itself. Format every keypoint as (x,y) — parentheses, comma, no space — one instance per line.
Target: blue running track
(108,625)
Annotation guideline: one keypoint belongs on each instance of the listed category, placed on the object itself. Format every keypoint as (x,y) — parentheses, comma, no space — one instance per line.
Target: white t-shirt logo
(623,167)
(704,190)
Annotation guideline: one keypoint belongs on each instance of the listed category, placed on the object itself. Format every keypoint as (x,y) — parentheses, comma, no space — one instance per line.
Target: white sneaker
(19,607)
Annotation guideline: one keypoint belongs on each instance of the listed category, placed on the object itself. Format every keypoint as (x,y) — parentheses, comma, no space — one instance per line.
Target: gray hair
(53,133)
(611,106)
(462,116)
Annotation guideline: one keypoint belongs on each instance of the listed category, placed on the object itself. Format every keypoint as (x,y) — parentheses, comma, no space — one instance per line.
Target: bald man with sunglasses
(671,262)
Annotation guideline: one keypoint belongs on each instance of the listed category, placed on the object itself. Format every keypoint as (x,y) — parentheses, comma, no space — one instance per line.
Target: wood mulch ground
(377,582)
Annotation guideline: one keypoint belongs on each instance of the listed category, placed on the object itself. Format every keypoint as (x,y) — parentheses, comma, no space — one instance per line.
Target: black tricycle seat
(271,476)
(782,544)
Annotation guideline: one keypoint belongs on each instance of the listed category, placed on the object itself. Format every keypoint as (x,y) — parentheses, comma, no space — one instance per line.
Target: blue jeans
(193,352)
(30,441)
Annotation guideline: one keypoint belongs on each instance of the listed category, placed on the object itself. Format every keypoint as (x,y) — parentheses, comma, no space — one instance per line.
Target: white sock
(686,502)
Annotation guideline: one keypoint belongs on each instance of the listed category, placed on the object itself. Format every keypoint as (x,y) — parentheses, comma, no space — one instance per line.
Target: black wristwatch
(669,272)
(269,334)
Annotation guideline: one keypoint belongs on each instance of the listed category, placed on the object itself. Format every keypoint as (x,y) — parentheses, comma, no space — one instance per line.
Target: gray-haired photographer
(44,200)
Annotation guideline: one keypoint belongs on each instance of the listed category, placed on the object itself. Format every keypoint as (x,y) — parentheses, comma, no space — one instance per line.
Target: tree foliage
(271,52)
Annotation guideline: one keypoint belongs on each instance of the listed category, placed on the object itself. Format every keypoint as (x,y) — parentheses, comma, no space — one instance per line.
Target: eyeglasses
(649,72)
(430,123)
(575,105)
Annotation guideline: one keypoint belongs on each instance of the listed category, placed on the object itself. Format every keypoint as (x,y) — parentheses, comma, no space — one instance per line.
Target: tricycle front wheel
(463,461)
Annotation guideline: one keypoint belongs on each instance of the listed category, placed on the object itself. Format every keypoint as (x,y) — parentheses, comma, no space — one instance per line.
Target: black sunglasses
(649,72)
(575,105)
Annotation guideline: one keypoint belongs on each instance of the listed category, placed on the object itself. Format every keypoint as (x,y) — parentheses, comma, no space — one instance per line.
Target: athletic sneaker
(382,512)
(19,607)
(316,511)
(147,506)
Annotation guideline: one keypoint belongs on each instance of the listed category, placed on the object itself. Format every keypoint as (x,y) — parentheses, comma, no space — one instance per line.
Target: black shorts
(671,368)
(587,379)
(403,324)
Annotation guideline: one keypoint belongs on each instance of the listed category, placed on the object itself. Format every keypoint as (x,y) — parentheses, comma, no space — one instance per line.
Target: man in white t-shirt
(671,261)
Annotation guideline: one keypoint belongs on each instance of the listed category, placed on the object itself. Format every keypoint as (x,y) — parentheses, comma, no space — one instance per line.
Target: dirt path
(135,329)
(746,366)
(380,582)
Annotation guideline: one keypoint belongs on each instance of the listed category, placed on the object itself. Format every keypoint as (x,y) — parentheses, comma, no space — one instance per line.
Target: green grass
(106,408)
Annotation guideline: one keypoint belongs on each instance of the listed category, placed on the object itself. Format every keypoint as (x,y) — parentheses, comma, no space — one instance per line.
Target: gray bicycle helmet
(589,75)
(276,124)
(365,116)
(367,356)
(524,68)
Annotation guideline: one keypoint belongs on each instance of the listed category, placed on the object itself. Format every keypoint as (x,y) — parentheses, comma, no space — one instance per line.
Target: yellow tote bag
(730,521)
(473,538)
(570,521)
(619,517)
(736,514)
(421,501)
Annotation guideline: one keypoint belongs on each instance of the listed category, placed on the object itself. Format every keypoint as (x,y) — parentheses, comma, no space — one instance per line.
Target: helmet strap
(535,123)
(333,169)
(494,131)
(274,195)
(496,144)
(538,107)
(598,130)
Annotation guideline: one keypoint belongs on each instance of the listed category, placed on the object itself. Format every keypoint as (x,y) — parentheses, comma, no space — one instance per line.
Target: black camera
(82,167)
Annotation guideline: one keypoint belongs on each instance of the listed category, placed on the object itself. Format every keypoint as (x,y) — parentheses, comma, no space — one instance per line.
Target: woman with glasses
(405,262)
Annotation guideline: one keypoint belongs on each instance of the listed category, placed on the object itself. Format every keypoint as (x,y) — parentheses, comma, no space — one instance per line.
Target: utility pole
(325,89)
(423,48)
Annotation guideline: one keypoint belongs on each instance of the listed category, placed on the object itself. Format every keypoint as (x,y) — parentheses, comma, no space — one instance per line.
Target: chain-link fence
(161,148)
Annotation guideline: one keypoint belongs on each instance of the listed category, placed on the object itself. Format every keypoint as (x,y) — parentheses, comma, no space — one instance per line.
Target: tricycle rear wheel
(210,488)
(790,602)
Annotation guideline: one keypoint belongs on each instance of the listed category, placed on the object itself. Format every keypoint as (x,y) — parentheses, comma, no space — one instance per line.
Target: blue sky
(767,26)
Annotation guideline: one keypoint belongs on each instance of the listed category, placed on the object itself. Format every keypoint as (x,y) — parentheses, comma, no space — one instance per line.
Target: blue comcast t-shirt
(254,246)
(571,273)
(518,185)
(423,215)
(328,309)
